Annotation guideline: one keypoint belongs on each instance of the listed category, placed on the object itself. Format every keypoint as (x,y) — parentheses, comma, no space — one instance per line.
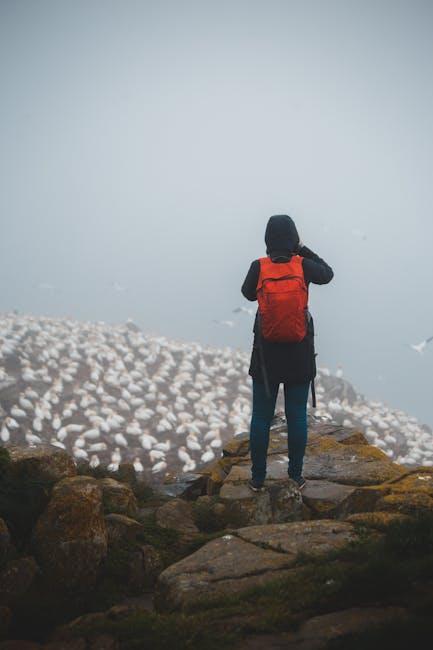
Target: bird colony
(111,393)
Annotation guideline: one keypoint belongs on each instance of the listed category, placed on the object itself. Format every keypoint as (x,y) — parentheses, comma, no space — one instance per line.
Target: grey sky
(147,143)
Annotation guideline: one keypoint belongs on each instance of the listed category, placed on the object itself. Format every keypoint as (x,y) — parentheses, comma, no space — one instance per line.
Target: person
(275,362)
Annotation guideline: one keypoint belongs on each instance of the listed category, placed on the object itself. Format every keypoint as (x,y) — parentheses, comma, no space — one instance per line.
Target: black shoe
(301,482)
(257,487)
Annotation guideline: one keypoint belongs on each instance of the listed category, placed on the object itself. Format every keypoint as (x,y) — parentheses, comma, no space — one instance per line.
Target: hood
(281,235)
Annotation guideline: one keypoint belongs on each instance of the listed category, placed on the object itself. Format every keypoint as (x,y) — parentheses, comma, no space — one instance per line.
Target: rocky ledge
(102,561)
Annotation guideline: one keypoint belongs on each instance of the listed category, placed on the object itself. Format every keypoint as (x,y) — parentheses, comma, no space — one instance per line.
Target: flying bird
(420,347)
(246,310)
(229,323)
(45,286)
(118,287)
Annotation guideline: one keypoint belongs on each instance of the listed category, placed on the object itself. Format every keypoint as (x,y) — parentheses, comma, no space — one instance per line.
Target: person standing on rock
(283,347)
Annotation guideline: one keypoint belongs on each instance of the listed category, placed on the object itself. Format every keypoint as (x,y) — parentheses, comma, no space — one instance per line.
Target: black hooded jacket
(291,363)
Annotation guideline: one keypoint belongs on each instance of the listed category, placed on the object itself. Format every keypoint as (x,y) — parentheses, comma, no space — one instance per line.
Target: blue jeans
(295,399)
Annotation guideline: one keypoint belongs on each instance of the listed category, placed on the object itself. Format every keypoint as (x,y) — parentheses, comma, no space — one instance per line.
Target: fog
(147,143)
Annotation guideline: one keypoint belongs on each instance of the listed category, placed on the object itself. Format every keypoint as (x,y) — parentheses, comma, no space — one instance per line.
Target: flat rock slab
(41,463)
(251,556)
(327,459)
(326,498)
(307,537)
(223,566)
(281,501)
(276,471)
(348,463)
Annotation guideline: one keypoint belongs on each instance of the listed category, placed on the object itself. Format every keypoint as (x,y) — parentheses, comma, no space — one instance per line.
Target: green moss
(205,517)
(150,630)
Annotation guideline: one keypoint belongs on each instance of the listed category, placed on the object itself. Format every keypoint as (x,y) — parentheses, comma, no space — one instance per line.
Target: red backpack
(282,296)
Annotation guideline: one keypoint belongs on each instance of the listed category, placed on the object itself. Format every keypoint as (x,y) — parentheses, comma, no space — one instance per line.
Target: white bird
(159,467)
(5,433)
(32,438)
(120,439)
(246,310)
(420,347)
(208,455)
(94,461)
(74,428)
(183,455)
(229,323)
(154,454)
(26,403)
(98,446)
(57,443)
(118,287)
(116,456)
(163,446)
(133,428)
(138,466)
(91,434)
(18,413)
(193,444)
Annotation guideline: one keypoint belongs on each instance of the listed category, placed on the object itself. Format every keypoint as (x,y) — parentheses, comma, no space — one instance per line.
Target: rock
(178,514)
(249,557)
(195,488)
(152,562)
(237,446)
(5,542)
(17,644)
(317,632)
(281,501)
(182,485)
(70,537)
(103,642)
(118,497)
(344,435)
(71,644)
(68,632)
(222,566)
(121,528)
(408,493)
(5,620)
(313,538)
(141,569)
(41,463)
(419,481)
(410,503)
(350,464)
(16,579)
(326,499)
(377,520)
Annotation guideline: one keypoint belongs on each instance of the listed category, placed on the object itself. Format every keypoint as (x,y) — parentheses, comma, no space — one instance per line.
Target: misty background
(144,145)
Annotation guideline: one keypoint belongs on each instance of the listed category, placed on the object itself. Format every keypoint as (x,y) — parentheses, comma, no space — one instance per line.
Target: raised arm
(316,270)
